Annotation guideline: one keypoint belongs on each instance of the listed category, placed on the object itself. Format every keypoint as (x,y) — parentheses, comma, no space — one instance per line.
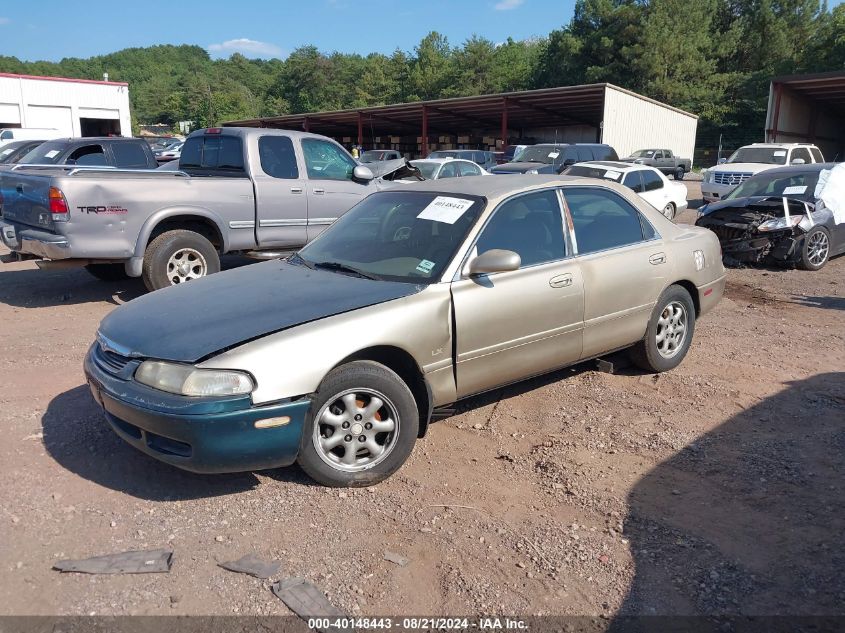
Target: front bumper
(202,435)
(711,192)
(23,239)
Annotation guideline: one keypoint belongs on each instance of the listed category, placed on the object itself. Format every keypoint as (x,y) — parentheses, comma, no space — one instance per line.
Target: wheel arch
(403,364)
(692,289)
(199,220)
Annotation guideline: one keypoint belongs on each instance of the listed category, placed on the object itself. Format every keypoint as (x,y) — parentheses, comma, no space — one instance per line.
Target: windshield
(643,153)
(48,153)
(408,236)
(546,154)
(795,185)
(442,154)
(428,170)
(766,155)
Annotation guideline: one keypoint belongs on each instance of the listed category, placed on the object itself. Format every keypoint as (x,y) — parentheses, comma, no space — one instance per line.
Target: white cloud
(4,21)
(247,47)
(507,5)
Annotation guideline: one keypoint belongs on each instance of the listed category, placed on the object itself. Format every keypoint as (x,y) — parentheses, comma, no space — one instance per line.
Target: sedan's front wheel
(361,427)
(669,332)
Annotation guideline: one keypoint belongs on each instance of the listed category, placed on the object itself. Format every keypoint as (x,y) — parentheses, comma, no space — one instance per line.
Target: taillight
(213,130)
(58,205)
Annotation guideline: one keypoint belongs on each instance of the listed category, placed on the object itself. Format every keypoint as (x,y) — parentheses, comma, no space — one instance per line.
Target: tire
(659,357)
(108,272)
(196,254)
(679,173)
(669,211)
(816,249)
(358,383)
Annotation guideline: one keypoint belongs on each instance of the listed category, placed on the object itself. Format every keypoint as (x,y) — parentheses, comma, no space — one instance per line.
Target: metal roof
(566,105)
(826,88)
(65,79)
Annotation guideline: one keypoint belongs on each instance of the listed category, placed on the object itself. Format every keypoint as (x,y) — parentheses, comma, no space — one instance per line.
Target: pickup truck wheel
(361,427)
(176,257)
(669,333)
(679,173)
(108,272)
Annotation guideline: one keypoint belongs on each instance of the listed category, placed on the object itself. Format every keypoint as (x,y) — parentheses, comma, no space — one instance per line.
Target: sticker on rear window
(445,209)
(425,266)
(795,190)
(612,175)
(780,153)
(554,155)
(52,153)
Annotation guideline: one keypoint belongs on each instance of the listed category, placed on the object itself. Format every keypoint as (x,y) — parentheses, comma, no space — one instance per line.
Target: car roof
(618,166)
(797,169)
(495,187)
(777,145)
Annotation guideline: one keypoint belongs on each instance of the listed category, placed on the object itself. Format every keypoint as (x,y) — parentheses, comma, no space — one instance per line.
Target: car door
(634,181)
(280,193)
(331,189)
(466,168)
(623,263)
(515,324)
(654,189)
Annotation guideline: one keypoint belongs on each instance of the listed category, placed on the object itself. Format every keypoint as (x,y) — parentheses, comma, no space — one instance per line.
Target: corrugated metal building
(75,107)
(568,114)
(808,109)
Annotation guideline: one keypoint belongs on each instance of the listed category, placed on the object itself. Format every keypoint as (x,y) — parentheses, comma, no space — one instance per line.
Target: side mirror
(362,173)
(568,162)
(798,161)
(494,261)
(722,161)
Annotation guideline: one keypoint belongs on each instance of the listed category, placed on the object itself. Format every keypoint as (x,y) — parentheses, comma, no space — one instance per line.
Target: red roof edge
(66,79)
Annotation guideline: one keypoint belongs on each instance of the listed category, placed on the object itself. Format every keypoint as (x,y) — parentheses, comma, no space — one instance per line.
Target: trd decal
(101,210)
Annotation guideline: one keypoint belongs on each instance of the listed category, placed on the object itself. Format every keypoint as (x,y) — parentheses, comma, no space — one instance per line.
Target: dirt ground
(716,488)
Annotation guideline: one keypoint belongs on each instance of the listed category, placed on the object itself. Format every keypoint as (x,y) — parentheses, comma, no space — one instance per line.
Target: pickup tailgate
(26,199)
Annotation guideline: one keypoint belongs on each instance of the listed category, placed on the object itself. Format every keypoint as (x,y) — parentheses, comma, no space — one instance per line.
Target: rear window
(212,153)
(817,155)
(130,156)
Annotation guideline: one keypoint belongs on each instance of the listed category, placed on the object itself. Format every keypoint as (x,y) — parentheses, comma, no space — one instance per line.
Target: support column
(360,130)
(306,125)
(776,116)
(424,144)
(504,123)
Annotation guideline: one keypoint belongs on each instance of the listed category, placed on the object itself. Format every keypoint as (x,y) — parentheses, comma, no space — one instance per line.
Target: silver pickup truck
(662,159)
(248,190)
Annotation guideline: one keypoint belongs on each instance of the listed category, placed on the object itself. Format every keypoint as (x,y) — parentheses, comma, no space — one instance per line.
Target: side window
(468,169)
(817,155)
(667,153)
(634,181)
(803,153)
(6,135)
(277,156)
(602,219)
(449,170)
(219,153)
(90,155)
(529,225)
(326,161)
(129,156)
(651,181)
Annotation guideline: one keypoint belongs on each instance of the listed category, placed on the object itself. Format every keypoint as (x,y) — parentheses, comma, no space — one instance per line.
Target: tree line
(711,57)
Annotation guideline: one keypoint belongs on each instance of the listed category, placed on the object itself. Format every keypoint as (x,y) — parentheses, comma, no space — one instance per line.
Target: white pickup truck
(752,159)
(246,190)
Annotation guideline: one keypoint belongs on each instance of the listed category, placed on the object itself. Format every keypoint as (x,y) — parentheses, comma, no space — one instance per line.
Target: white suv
(752,159)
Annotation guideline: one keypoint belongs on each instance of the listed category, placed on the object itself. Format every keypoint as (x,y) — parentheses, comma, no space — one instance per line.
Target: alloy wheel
(671,329)
(818,247)
(186,264)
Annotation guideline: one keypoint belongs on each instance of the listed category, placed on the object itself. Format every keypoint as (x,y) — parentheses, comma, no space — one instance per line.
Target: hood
(743,203)
(394,169)
(189,322)
(744,167)
(522,167)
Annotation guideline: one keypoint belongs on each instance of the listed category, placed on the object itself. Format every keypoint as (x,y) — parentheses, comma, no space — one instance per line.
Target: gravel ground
(713,489)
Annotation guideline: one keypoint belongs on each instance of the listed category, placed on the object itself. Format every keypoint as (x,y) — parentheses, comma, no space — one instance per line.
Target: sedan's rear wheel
(669,332)
(361,427)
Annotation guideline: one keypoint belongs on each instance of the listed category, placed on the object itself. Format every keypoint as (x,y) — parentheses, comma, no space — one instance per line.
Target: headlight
(187,380)
(706,176)
(779,224)
(532,171)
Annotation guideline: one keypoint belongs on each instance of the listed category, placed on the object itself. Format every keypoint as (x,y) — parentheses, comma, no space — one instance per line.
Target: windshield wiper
(343,268)
(296,258)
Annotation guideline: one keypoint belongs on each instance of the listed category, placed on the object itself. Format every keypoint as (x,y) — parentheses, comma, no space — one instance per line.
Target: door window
(651,181)
(803,153)
(129,156)
(449,170)
(468,169)
(277,156)
(817,155)
(326,161)
(90,155)
(634,181)
(602,219)
(528,225)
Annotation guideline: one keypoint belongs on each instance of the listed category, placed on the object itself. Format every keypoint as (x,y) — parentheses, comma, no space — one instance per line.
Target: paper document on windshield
(831,191)
(795,190)
(612,175)
(445,209)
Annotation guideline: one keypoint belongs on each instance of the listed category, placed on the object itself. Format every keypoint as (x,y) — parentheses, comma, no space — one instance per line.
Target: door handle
(296,189)
(657,258)
(319,192)
(561,281)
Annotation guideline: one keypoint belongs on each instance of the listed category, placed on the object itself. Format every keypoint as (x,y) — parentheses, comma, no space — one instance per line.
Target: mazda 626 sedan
(417,297)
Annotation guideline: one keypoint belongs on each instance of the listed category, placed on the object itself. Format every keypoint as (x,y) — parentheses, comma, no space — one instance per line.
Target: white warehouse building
(74,107)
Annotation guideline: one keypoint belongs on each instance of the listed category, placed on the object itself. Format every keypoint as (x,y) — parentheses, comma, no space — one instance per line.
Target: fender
(135,263)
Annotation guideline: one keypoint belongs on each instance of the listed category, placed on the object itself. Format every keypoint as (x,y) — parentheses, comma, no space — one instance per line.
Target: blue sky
(53,29)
